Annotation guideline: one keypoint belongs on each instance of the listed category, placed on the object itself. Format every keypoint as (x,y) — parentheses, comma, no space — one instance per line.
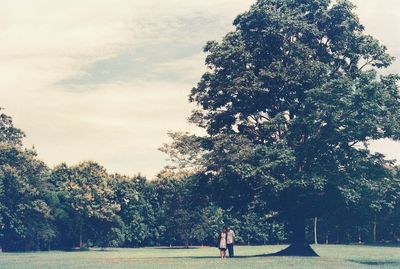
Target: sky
(106,80)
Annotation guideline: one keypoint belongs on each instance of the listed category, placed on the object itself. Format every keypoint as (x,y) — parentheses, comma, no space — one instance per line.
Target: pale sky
(105,80)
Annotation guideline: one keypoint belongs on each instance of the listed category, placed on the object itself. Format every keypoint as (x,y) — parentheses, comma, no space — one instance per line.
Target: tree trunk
(81,235)
(298,245)
(337,236)
(315,231)
(374,231)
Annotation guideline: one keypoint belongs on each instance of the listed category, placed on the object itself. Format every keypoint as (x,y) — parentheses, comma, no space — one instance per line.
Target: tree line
(82,206)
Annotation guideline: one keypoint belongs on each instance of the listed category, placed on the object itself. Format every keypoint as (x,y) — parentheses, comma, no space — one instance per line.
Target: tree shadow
(241,256)
(295,250)
(290,251)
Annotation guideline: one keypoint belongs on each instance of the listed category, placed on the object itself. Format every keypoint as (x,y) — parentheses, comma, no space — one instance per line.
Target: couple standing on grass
(226,241)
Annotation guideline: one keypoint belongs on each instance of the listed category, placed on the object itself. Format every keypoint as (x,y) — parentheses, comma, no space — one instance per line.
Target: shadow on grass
(175,248)
(237,256)
(216,257)
(291,251)
(265,255)
(375,262)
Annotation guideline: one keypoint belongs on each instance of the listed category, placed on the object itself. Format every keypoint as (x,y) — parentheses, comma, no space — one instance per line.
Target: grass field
(148,258)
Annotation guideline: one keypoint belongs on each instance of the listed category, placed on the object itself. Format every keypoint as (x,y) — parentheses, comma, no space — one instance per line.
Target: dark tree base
(303,250)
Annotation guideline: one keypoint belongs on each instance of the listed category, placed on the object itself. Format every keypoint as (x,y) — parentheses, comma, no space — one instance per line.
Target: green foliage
(139,210)
(107,233)
(26,216)
(8,133)
(89,192)
(2,205)
(86,190)
(178,214)
(185,152)
(290,101)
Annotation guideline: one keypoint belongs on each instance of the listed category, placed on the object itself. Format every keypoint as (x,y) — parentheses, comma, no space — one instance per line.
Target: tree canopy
(290,101)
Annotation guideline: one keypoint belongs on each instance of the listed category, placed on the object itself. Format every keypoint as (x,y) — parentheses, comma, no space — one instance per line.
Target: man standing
(230,240)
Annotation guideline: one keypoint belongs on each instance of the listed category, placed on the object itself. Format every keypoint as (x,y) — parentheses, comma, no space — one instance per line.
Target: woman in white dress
(222,243)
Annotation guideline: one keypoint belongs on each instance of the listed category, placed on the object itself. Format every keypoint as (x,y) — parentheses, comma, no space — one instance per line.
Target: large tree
(290,101)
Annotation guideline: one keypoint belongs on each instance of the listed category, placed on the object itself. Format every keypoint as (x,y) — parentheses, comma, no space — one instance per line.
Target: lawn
(148,258)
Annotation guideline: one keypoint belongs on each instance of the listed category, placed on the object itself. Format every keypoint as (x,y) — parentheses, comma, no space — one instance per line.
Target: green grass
(335,257)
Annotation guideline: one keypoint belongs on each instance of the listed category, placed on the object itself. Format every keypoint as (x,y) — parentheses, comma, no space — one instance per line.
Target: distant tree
(2,206)
(385,202)
(389,219)
(107,233)
(214,220)
(138,213)
(290,101)
(26,217)
(91,197)
(9,133)
(182,208)
(185,153)
(65,217)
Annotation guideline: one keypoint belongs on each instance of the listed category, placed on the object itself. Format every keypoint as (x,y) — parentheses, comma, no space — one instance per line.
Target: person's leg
(231,253)
(221,253)
(230,250)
